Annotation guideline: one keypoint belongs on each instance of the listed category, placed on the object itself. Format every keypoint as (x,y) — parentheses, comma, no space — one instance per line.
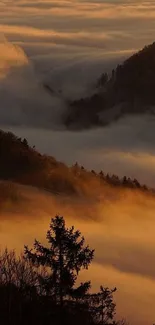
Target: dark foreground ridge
(129,89)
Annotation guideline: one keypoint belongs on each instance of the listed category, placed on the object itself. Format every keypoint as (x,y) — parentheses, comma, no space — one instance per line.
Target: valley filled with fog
(125,147)
(67,45)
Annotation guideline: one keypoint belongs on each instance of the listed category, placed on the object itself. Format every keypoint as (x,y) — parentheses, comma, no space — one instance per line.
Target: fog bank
(119,227)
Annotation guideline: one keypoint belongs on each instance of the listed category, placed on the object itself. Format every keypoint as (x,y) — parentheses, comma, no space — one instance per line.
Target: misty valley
(77,162)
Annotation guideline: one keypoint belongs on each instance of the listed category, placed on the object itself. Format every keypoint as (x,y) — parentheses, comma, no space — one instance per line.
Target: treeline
(39,287)
(132,82)
(130,86)
(113,179)
(23,164)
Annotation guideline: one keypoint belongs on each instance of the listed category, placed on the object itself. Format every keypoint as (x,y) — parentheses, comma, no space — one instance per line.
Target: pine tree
(65,257)
(101,305)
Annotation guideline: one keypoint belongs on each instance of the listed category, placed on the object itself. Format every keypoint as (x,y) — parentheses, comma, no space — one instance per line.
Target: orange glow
(121,229)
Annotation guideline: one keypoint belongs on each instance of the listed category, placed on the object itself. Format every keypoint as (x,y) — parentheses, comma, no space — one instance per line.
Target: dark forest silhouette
(25,165)
(40,286)
(130,87)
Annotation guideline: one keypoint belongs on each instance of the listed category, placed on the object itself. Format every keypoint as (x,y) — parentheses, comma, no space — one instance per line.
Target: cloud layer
(95,24)
(69,43)
(73,31)
(124,148)
(121,229)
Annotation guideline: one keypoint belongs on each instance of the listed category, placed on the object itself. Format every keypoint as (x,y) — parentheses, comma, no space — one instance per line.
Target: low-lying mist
(25,101)
(124,148)
(120,226)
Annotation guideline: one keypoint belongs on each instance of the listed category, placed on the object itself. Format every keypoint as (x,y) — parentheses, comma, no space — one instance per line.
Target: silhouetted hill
(23,164)
(129,90)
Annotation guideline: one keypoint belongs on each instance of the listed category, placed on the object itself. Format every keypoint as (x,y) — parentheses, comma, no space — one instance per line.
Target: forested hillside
(23,164)
(129,89)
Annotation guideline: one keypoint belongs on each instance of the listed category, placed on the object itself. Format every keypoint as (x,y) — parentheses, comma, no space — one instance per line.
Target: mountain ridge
(128,90)
(23,164)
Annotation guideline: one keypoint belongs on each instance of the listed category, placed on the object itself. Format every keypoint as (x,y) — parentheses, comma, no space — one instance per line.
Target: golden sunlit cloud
(10,56)
(120,227)
(65,38)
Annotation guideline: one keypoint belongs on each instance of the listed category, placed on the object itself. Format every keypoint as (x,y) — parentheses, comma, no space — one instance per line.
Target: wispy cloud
(124,20)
